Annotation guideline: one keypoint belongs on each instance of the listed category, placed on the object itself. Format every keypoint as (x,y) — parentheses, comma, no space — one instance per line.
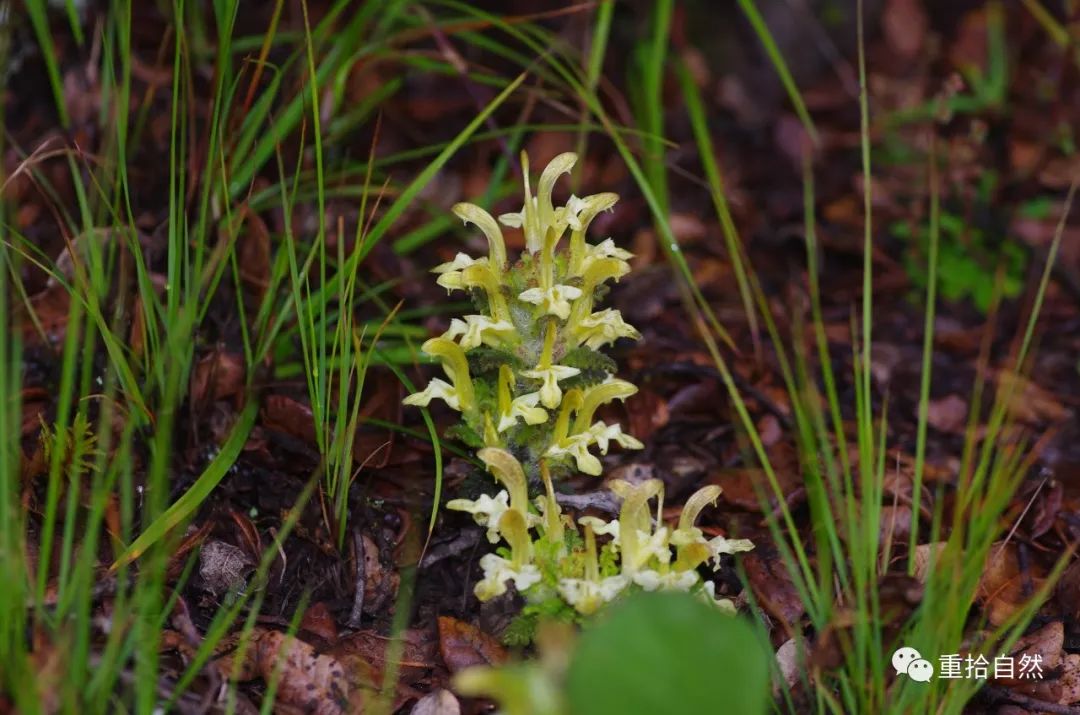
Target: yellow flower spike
(706,496)
(456,367)
(610,389)
(481,275)
(471,213)
(586,210)
(507,470)
(553,526)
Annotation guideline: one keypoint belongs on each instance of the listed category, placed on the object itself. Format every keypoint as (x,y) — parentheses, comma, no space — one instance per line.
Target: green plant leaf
(668,652)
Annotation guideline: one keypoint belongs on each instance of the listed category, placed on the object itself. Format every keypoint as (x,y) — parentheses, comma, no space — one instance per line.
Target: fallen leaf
(224,567)
(949,414)
(313,683)
(463,645)
(418,654)
(287,415)
(1001,587)
(1067,591)
(1027,402)
(320,622)
(787,660)
(924,555)
(773,587)
(216,376)
(895,524)
(439,702)
(904,25)
(1069,681)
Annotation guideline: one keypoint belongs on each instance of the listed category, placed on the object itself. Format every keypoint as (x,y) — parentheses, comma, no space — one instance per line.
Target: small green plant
(967,260)
(527,375)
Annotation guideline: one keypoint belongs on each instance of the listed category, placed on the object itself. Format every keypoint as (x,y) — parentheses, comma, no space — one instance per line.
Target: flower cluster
(527,376)
(525,372)
(546,553)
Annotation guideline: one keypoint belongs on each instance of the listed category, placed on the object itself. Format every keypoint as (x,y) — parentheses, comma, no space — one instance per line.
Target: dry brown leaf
(949,414)
(1045,644)
(1001,588)
(463,645)
(924,554)
(1067,592)
(418,655)
(904,24)
(313,683)
(320,622)
(216,376)
(773,587)
(287,415)
(1069,682)
(1027,402)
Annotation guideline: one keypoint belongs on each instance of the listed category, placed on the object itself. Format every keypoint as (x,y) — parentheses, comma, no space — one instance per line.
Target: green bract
(527,376)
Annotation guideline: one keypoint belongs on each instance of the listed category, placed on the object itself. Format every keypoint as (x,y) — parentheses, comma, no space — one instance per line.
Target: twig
(361,579)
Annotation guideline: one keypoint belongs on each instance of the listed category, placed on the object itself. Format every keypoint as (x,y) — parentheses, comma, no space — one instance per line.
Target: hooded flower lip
(577,447)
(471,213)
(719,545)
(511,408)
(524,407)
(450,273)
(588,596)
(651,580)
(497,571)
(604,249)
(476,330)
(610,389)
(437,388)
(486,511)
(553,301)
(603,433)
(601,527)
(602,327)
(537,214)
(550,392)
(460,395)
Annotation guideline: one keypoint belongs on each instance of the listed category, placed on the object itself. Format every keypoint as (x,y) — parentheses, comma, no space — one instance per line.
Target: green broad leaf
(595,367)
(668,653)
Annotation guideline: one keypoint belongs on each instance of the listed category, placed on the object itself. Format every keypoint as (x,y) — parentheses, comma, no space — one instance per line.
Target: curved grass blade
(186,505)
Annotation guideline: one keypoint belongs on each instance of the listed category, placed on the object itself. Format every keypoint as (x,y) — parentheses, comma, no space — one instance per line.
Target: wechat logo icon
(909,662)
